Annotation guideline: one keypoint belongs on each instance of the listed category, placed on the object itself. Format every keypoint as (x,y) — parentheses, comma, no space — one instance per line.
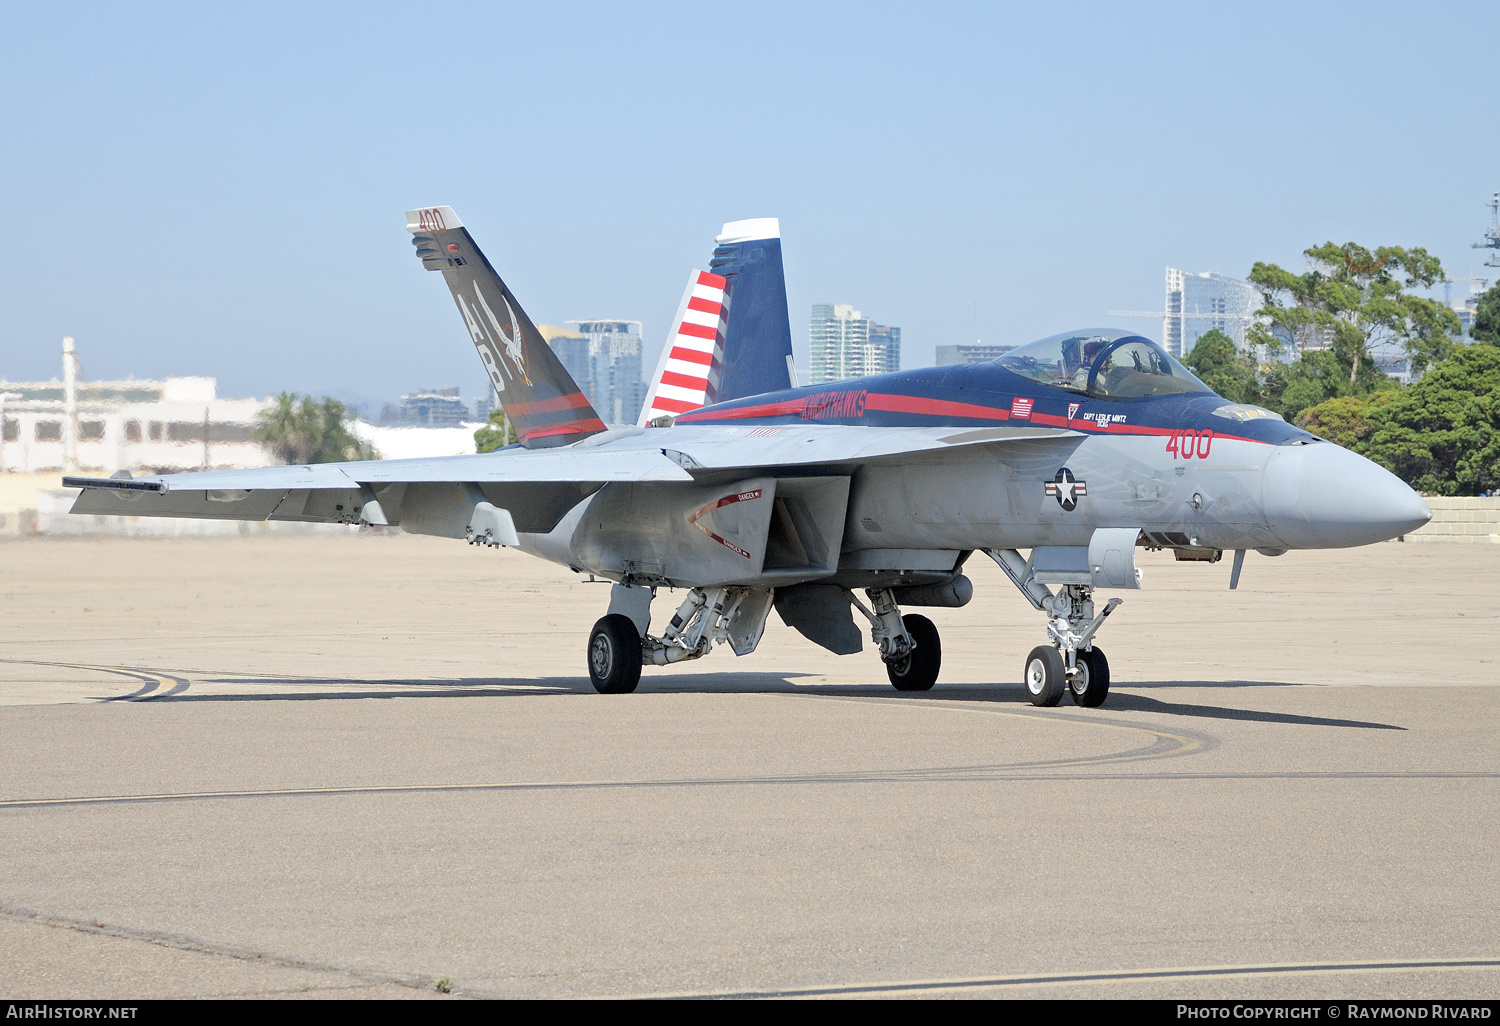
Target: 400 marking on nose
(1186,444)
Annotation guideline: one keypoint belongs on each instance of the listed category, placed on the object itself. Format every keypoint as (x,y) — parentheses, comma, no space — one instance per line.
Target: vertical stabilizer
(687,376)
(541,399)
(758,339)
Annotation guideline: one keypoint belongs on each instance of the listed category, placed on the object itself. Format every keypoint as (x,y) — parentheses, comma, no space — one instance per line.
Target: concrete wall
(18,500)
(1461,520)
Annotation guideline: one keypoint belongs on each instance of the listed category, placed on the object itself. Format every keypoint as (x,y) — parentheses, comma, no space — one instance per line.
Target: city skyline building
(604,358)
(844,343)
(973,352)
(1198,303)
(428,407)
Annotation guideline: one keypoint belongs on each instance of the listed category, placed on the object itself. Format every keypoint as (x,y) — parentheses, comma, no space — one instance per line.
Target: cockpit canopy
(1102,363)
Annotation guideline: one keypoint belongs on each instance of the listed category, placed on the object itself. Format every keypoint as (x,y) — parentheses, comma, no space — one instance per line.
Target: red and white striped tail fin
(688,374)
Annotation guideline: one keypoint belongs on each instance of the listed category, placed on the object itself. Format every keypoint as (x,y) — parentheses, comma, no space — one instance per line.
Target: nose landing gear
(1071,663)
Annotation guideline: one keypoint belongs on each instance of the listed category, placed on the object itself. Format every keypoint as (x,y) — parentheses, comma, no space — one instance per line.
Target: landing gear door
(1112,557)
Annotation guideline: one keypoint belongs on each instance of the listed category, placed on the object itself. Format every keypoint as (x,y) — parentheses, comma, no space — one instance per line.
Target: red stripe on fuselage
(873,401)
(931,407)
(782,409)
(893,403)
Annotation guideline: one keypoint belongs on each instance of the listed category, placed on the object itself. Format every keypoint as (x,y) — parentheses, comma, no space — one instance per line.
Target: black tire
(1044,676)
(918,669)
(614,655)
(1091,687)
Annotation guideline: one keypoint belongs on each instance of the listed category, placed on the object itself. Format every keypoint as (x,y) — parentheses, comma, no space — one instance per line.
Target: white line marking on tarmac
(1109,976)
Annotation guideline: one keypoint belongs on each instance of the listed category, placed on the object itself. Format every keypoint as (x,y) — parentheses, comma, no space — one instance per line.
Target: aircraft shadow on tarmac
(325,688)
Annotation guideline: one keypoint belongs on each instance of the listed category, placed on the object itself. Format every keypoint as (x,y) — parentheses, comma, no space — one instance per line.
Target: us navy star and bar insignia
(1066,489)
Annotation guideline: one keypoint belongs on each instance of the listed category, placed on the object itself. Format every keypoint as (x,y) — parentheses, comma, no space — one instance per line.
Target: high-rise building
(844,343)
(431,407)
(604,357)
(1200,303)
(975,352)
(572,349)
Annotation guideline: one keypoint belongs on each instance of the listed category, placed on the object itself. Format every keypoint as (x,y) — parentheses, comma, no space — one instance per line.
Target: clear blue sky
(207,189)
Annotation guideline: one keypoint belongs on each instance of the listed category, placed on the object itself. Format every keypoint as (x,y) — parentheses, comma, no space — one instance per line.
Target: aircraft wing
(537,487)
(431,496)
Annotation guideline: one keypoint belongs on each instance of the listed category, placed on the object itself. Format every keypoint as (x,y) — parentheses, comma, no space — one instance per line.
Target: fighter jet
(1077,450)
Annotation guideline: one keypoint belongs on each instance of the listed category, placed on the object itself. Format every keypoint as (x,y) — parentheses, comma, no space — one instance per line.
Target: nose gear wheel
(1090,685)
(1045,676)
(1071,663)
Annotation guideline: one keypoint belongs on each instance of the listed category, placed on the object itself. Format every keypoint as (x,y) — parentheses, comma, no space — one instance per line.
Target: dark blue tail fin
(758,337)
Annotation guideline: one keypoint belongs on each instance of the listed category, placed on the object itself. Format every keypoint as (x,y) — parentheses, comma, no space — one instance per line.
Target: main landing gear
(1071,663)
(617,648)
(909,645)
(615,655)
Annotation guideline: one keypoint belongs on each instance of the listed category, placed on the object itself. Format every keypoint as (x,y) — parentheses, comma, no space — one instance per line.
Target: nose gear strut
(1074,663)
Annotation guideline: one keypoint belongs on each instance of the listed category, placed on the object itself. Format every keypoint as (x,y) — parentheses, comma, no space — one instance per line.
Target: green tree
(497,433)
(1319,375)
(1441,435)
(1220,365)
(1350,299)
(301,429)
(1349,420)
(1487,320)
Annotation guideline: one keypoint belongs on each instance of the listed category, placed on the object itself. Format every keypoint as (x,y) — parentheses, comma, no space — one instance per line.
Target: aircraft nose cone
(1321,496)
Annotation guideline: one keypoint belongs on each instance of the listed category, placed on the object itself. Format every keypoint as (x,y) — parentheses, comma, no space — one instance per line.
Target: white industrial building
(52,428)
(140,426)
